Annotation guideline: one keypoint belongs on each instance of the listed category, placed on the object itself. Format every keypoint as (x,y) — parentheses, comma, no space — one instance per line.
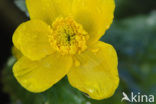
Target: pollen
(68,37)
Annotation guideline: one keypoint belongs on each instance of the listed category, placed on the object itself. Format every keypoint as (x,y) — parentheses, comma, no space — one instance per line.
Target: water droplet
(95,50)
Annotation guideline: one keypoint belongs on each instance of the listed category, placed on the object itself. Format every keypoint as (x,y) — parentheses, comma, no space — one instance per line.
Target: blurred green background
(133,34)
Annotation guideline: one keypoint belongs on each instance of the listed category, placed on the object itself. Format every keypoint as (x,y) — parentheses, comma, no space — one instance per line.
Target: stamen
(68,36)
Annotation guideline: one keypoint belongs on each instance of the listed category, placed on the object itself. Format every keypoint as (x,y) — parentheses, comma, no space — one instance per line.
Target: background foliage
(133,34)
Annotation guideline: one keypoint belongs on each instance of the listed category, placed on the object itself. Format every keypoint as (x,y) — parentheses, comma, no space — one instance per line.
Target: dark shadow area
(10,18)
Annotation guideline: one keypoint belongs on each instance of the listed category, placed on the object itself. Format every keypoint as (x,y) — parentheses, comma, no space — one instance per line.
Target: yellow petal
(48,10)
(31,38)
(16,53)
(38,76)
(97,73)
(96,16)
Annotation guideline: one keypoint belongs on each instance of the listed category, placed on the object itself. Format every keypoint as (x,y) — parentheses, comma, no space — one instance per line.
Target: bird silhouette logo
(125,97)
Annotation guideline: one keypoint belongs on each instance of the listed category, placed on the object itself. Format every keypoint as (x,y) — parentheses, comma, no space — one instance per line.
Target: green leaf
(21,5)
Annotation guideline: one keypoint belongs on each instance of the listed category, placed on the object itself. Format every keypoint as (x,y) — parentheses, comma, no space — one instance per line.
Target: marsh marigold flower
(62,38)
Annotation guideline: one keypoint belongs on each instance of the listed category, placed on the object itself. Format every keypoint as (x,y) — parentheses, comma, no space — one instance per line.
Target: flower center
(68,36)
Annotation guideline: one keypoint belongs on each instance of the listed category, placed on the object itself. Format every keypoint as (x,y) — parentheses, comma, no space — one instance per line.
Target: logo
(137,97)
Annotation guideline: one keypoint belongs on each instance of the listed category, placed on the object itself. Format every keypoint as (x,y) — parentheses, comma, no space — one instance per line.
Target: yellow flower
(62,38)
